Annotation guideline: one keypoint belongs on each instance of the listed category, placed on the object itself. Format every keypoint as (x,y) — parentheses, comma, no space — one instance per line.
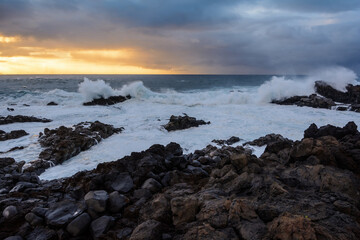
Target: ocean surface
(236,105)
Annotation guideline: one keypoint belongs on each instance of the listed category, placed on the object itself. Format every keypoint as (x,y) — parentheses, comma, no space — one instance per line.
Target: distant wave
(275,88)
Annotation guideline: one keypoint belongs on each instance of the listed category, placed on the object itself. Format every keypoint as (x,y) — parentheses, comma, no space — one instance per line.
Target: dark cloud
(314,5)
(216,36)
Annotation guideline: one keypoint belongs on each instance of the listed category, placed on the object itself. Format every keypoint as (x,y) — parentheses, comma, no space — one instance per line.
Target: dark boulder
(107,101)
(313,101)
(329,130)
(19,118)
(52,104)
(63,212)
(229,141)
(183,122)
(12,135)
(351,96)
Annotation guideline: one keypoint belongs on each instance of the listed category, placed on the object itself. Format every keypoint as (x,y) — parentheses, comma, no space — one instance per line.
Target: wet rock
(107,101)
(117,201)
(152,185)
(183,122)
(63,212)
(9,212)
(79,224)
(229,141)
(52,104)
(329,130)
(351,96)
(96,200)
(148,230)
(19,118)
(33,219)
(43,234)
(12,135)
(123,183)
(63,143)
(313,101)
(269,138)
(101,225)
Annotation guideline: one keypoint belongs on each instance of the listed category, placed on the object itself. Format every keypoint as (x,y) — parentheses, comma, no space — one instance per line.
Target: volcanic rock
(107,101)
(63,143)
(183,122)
(12,135)
(311,101)
(19,118)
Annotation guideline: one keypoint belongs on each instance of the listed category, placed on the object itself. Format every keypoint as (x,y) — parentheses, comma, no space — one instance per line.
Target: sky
(178,36)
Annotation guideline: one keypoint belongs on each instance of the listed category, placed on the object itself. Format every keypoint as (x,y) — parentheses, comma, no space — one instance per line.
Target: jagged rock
(148,230)
(291,227)
(311,101)
(123,183)
(79,224)
(351,96)
(107,101)
(19,118)
(329,130)
(96,200)
(63,212)
(184,209)
(117,201)
(269,138)
(12,135)
(206,232)
(229,141)
(152,185)
(63,143)
(101,225)
(183,122)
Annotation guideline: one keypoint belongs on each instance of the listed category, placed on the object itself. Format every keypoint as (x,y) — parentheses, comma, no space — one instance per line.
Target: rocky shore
(306,189)
(20,119)
(63,143)
(329,98)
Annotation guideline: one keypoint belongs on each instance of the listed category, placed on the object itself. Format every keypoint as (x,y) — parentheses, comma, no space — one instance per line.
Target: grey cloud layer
(222,36)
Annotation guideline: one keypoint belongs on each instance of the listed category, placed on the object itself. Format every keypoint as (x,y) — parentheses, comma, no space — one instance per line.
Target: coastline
(303,188)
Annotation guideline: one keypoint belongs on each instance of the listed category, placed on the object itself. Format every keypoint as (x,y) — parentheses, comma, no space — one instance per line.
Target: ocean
(236,105)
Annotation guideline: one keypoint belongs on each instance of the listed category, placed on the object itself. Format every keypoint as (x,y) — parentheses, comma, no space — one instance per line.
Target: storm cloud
(202,36)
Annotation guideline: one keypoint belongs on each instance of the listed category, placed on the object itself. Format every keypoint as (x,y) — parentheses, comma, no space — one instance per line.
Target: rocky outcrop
(351,96)
(107,101)
(19,118)
(295,190)
(63,143)
(313,101)
(229,141)
(329,96)
(183,122)
(12,135)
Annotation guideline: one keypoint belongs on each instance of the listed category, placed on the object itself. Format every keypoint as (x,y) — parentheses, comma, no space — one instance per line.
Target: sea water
(236,105)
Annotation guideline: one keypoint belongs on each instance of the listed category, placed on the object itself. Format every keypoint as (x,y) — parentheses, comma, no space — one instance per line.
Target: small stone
(101,225)
(79,224)
(123,183)
(33,219)
(152,185)
(123,233)
(117,201)
(10,212)
(96,200)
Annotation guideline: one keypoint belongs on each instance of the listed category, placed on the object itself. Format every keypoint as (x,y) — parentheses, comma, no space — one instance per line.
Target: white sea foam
(95,89)
(244,113)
